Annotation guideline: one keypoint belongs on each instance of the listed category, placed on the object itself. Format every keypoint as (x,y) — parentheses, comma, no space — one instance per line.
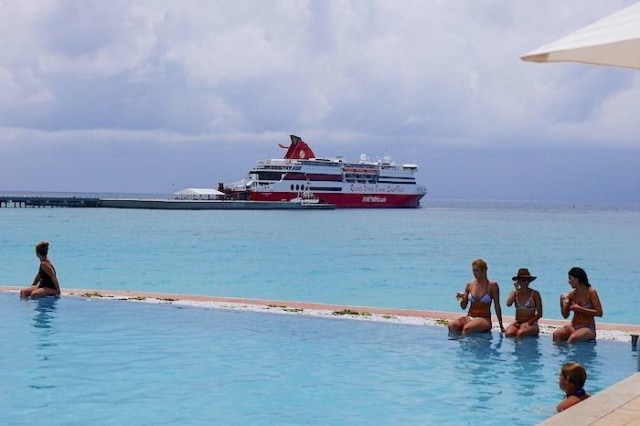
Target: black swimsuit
(45,280)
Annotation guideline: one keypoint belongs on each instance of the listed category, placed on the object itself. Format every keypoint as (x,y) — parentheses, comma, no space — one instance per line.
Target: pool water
(96,361)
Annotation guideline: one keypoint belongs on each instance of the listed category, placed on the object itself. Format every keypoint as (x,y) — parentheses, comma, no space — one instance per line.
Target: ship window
(270,176)
(292,187)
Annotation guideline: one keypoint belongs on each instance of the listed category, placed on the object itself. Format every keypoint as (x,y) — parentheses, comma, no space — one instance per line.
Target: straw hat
(524,273)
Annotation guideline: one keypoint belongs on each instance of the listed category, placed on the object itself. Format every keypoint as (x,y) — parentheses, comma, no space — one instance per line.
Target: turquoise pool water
(93,361)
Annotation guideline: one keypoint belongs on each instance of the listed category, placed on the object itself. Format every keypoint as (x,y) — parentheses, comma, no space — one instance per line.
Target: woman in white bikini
(479,293)
(528,306)
(585,304)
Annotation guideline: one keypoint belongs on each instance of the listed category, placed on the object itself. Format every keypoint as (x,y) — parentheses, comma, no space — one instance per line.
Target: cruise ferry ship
(361,184)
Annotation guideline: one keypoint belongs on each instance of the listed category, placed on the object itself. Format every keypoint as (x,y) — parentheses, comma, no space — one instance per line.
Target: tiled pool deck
(616,405)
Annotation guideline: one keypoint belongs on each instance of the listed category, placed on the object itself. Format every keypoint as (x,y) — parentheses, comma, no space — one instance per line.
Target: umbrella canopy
(612,41)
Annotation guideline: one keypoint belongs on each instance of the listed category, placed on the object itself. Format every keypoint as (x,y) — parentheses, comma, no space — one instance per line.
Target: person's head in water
(574,376)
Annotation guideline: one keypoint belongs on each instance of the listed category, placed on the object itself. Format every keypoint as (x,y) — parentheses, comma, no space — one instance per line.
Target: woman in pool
(571,381)
(46,282)
(583,300)
(479,293)
(528,306)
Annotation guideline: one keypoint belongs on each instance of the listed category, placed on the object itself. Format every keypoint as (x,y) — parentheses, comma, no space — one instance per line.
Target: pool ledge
(617,405)
(606,331)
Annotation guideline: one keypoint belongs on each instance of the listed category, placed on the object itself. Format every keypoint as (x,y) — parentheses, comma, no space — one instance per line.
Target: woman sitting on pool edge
(46,282)
(480,293)
(583,300)
(528,306)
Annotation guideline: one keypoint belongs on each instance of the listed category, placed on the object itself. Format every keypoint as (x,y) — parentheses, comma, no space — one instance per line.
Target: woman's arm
(465,296)
(565,303)
(36,280)
(54,279)
(538,301)
(595,302)
(596,307)
(496,303)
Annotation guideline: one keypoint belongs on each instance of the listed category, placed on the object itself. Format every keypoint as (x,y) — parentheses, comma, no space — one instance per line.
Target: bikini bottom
(590,327)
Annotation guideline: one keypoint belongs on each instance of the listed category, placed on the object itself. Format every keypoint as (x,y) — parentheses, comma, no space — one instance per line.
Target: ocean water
(413,258)
(113,362)
(76,361)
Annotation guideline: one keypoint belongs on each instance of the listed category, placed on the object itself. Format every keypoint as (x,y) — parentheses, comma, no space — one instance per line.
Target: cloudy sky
(155,96)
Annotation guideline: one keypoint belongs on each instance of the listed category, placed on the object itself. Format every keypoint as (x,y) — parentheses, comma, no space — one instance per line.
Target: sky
(153,96)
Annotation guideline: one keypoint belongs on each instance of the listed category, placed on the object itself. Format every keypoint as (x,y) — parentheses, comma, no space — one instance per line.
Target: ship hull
(172,204)
(354,200)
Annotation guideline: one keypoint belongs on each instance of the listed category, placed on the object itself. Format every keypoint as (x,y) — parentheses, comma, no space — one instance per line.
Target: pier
(22,201)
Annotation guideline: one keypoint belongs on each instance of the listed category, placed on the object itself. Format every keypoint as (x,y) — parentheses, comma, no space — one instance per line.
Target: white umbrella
(613,41)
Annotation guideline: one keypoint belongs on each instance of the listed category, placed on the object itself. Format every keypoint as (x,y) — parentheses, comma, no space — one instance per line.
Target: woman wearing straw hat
(528,306)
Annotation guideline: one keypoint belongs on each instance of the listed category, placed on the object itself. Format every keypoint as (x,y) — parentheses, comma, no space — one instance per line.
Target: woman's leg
(527,329)
(512,330)
(456,325)
(581,335)
(562,333)
(43,291)
(477,325)
(25,293)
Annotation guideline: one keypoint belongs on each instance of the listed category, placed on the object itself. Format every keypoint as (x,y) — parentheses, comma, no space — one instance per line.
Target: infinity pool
(92,361)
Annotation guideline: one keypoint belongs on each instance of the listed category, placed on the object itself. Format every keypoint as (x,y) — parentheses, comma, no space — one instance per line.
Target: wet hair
(42,248)
(480,264)
(575,374)
(580,275)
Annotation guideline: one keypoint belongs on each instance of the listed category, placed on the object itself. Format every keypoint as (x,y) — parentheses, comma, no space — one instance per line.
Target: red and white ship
(334,181)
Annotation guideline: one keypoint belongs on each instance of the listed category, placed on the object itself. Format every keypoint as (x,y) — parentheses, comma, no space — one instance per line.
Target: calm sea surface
(413,258)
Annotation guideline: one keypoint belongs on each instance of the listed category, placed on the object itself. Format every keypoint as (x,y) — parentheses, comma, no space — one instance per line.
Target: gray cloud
(157,86)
